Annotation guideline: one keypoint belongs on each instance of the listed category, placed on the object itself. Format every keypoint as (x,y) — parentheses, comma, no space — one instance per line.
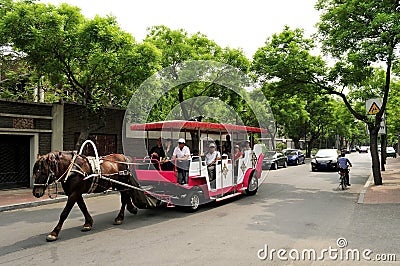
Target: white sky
(237,24)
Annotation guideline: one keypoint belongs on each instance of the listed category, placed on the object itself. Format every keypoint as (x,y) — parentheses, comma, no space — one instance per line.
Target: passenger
(166,163)
(181,154)
(211,159)
(237,155)
(157,153)
(218,146)
(169,150)
(247,146)
(228,146)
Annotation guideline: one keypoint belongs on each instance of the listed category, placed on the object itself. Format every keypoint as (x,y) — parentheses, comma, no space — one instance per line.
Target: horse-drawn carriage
(142,181)
(232,178)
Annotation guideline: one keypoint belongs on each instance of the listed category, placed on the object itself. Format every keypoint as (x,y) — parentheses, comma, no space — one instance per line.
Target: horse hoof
(86,228)
(133,210)
(51,238)
(117,222)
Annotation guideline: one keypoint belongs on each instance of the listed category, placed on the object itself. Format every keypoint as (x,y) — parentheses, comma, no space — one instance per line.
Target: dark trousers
(183,176)
(211,172)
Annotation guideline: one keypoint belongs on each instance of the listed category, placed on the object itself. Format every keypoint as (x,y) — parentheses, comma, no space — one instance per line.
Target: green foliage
(178,47)
(280,146)
(92,61)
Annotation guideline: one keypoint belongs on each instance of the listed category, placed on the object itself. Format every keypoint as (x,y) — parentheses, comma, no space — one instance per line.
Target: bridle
(52,176)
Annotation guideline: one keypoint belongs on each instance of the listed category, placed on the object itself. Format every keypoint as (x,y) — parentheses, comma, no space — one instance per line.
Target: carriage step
(229,196)
(146,188)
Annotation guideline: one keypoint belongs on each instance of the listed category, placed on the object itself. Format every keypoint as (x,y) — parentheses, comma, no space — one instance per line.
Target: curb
(365,188)
(60,198)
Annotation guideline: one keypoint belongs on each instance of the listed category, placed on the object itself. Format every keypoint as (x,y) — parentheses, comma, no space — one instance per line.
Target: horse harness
(96,173)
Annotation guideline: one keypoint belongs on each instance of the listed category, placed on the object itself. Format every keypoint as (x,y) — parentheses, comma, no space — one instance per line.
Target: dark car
(274,160)
(294,157)
(325,159)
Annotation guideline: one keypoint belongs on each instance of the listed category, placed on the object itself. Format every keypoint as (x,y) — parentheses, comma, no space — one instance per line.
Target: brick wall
(109,123)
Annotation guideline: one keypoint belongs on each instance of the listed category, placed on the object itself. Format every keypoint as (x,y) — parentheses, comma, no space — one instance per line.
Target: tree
(287,61)
(359,34)
(91,61)
(178,47)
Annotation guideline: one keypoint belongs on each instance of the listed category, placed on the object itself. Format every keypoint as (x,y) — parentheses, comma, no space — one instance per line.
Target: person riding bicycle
(344,164)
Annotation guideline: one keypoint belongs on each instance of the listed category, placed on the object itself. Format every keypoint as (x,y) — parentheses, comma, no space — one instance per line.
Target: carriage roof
(195,125)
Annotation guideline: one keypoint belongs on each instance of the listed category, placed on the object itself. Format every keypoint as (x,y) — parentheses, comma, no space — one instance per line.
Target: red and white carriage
(231,179)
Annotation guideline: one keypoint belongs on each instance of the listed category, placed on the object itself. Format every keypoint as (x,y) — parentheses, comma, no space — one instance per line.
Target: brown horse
(76,176)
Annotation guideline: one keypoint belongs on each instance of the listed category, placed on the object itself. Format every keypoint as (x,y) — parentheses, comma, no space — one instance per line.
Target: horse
(77,177)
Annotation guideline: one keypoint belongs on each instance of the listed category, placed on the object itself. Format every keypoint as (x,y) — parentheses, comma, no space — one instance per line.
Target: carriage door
(14,161)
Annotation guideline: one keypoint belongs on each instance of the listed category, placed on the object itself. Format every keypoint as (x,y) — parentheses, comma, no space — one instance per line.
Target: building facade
(29,129)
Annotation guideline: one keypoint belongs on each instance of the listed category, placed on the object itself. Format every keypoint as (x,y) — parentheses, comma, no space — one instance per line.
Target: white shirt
(178,153)
(210,157)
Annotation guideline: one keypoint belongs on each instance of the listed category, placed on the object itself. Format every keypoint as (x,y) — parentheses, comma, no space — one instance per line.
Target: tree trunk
(84,134)
(373,133)
(296,143)
(383,152)
(310,146)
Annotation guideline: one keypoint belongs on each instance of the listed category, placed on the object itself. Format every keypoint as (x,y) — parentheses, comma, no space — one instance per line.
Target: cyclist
(344,164)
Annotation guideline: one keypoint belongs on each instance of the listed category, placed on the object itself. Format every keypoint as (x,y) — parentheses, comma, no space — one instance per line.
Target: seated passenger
(237,155)
(157,153)
(166,164)
(211,159)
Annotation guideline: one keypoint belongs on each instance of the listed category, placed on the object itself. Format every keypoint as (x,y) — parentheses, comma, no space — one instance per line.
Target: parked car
(274,160)
(345,150)
(390,152)
(325,159)
(294,157)
(363,149)
(353,149)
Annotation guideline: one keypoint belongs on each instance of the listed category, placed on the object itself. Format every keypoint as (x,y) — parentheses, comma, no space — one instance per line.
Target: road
(294,210)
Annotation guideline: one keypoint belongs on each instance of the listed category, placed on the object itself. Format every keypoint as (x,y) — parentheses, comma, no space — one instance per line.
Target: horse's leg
(63,216)
(121,215)
(88,219)
(130,206)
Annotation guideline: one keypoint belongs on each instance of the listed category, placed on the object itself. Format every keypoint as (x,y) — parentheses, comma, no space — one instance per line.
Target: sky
(237,24)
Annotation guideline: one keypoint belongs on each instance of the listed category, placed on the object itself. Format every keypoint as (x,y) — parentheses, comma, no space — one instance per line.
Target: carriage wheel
(192,202)
(252,187)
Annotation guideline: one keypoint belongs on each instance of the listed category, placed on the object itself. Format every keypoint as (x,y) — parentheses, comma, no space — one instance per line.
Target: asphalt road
(295,210)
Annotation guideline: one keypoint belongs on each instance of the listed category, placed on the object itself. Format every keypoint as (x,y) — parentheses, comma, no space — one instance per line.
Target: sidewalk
(389,191)
(12,199)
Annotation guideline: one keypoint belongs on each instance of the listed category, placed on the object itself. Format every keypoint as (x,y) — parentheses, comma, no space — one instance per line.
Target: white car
(363,149)
(390,152)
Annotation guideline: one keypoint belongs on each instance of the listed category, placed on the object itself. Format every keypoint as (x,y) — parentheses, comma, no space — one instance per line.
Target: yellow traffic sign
(374,109)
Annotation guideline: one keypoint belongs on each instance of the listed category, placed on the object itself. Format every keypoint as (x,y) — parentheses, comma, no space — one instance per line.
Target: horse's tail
(139,198)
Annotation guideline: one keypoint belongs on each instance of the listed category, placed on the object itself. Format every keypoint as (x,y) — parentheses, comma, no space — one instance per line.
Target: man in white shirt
(181,154)
(211,158)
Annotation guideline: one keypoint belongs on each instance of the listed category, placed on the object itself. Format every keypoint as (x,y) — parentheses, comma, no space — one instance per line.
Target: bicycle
(343,178)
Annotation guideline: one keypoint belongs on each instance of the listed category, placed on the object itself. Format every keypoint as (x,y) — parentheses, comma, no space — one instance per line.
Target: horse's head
(44,173)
